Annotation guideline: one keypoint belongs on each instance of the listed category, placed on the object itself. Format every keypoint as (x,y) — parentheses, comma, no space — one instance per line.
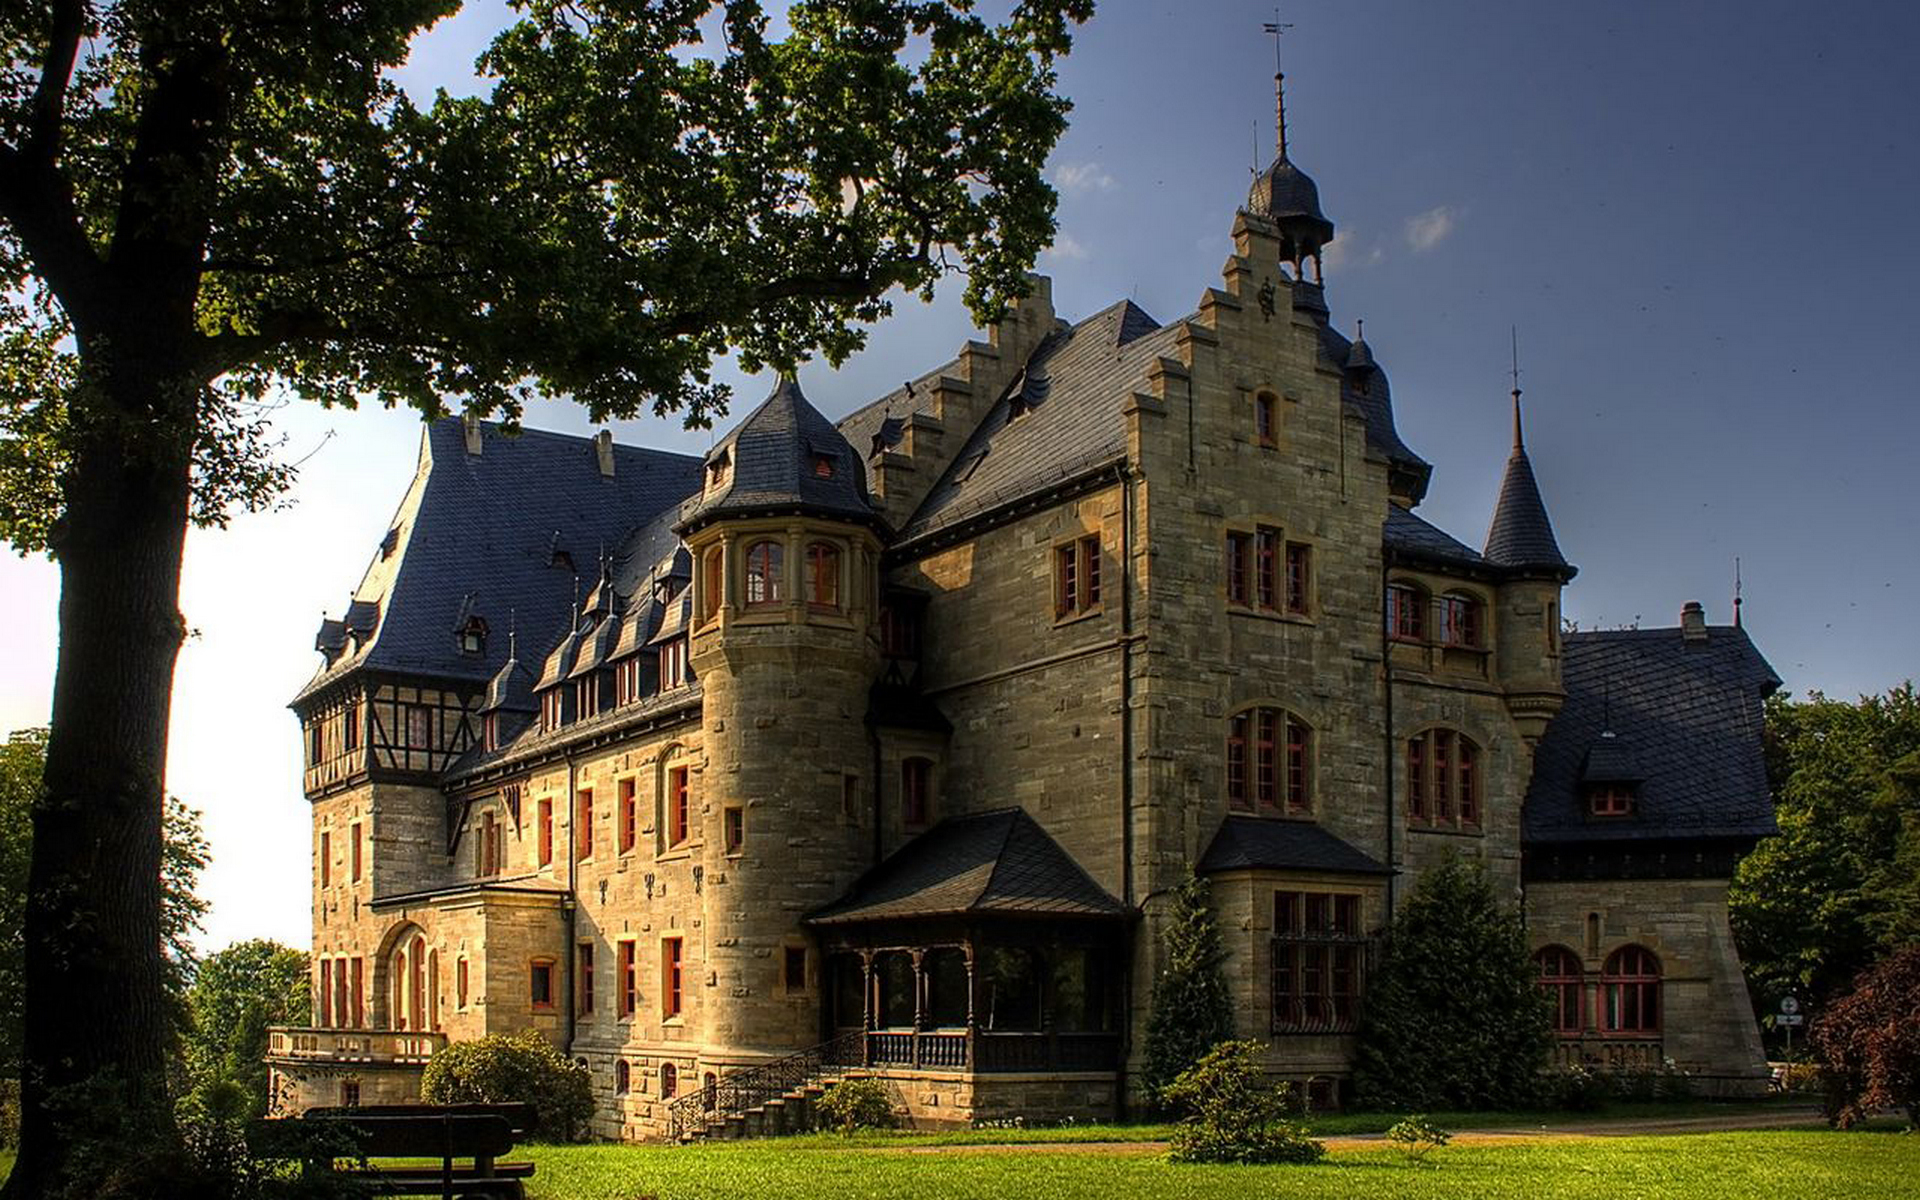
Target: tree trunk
(95,1111)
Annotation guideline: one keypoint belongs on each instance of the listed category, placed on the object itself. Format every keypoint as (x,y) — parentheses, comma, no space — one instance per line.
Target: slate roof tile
(1256,843)
(994,863)
(1689,713)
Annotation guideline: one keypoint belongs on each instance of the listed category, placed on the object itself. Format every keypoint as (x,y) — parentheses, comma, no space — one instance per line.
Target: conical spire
(1521,536)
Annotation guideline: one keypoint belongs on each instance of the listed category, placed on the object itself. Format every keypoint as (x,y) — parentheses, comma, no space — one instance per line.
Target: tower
(783,538)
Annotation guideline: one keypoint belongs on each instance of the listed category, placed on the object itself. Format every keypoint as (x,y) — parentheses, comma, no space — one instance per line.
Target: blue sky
(1701,218)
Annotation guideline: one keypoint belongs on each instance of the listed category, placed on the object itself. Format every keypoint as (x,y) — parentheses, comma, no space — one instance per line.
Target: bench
(467,1139)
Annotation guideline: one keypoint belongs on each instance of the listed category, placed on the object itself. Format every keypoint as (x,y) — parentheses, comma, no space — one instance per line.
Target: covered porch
(980,947)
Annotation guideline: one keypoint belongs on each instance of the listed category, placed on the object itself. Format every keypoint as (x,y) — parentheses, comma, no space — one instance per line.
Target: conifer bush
(1232,1113)
(1868,1042)
(1454,1016)
(521,1068)
(1190,1010)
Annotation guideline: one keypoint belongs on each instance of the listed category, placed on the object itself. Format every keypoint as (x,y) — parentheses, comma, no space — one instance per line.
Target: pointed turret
(1521,537)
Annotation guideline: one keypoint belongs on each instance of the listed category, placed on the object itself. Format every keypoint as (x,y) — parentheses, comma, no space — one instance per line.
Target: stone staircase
(767,1100)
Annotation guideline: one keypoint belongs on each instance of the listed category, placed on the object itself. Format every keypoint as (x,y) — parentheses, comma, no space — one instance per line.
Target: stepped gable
(773,464)
(486,532)
(1061,418)
(999,862)
(1688,713)
(1256,843)
(1410,537)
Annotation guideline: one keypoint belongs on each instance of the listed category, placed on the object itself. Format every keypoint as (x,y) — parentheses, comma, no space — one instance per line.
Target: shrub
(856,1104)
(1454,1017)
(1234,1114)
(1869,1043)
(1190,1010)
(1416,1137)
(9,1113)
(514,1068)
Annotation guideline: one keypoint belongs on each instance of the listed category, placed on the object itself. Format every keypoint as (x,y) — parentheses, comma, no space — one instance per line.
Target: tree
(1232,1113)
(1818,904)
(202,201)
(236,994)
(183,856)
(1454,1017)
(1190,1011)
(1868,1042)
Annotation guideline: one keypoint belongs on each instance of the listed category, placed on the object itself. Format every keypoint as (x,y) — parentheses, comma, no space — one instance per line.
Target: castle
(882,742)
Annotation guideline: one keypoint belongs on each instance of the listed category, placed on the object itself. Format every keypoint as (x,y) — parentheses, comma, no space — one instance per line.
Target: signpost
(1790,1016)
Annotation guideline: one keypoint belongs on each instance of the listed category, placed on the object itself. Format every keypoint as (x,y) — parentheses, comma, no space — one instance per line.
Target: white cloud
(1082,177)
(1065,247)
(1430,228)
(1349,249)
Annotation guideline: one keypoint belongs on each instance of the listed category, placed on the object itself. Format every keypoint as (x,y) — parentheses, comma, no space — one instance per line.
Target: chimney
(603,451)
(470,426)
(1693,622)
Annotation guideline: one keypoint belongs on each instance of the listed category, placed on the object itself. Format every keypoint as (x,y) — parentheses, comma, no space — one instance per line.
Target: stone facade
(1126,577)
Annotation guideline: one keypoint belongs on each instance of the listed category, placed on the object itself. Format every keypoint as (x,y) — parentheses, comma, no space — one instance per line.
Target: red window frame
(626,681)
(544,819)
(1265,424)
(766,563)
(823,576)
(1266,726)
(357,863)
(1442,746)
(1076,576)
(583,823)
(916,792)
(583,953)
(629,816)
(1266,567)
(1460,621)
(356,989)
(1610,800)
(629,980)
(326,858)
(1238,728)
(1630,993)
(673,665)
(1240,568)
(1299,767)
(714,581)
(678,807)
(326,994)
(1299,575)
(1564,981)
(1318,967)
(671,965)
(669,1081)
(1406,613)
(460,983)
(733,828)
(1417,777)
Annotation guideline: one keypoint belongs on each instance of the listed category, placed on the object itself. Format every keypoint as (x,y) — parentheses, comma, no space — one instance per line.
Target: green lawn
(1760,1164)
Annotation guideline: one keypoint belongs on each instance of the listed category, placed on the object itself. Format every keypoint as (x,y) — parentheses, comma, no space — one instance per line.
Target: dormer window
(1610,799)
(552,710)
(390,543)
(823,466)
(473,636)
(717,471)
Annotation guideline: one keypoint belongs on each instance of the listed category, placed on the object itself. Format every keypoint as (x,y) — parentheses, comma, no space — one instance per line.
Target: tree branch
(56,69)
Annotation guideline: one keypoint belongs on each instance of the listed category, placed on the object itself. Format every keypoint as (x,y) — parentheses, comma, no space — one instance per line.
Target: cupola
(1288,197)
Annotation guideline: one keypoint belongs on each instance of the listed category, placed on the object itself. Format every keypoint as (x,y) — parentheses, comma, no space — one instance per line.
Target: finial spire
(1736,592)
(1274,29)
(1359,329)
(1518,445)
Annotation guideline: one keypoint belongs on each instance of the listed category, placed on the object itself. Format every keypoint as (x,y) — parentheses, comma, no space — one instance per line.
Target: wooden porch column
(919,957)
(866,1008)
(973,1027)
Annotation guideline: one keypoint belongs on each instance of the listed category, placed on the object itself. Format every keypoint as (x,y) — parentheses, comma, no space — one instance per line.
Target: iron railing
(737,1091)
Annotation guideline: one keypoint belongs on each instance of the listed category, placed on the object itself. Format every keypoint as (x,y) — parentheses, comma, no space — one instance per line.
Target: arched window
(1630,991)
(823,575)
(669,1081)
(1562,980)
(622,1077)
(1461,622)
(1443,779)
(1406,613)
(1269,762)
(766,563)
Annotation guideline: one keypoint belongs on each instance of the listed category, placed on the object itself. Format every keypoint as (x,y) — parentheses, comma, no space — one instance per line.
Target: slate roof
(770,465)
(999,863)
(1364,386)
(1255,843)
(511,688)
(1285,193)
(483,536)
(1690,715)
(1521,537)
(1072,389)
(1414,537)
